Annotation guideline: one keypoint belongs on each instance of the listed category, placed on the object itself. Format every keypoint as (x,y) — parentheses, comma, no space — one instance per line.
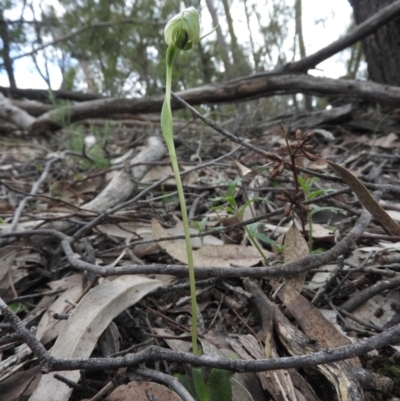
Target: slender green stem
(167,129)
(310,233)
(256,244)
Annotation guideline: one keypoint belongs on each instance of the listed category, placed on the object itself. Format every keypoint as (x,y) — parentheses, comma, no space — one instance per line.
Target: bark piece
(125,182)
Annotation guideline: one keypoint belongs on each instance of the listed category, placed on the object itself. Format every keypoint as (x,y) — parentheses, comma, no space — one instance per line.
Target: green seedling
(231,207)
(182,32)
(200,226)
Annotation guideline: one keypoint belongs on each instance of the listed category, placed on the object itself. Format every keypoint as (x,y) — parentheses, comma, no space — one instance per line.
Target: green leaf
(263,238)
(187,383)
(319,192)
(199,384)
(233,185)
(317,251)
(219,385)
(252,228)
(216,199)
(332,208)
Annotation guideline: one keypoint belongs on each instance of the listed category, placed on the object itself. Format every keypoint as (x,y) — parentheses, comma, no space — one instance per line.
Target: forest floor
(247,310)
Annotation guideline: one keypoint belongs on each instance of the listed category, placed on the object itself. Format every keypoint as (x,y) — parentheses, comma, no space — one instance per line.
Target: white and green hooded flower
(183,30)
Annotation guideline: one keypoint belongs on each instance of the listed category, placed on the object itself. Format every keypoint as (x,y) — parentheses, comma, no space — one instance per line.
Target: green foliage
(230,206)
(200,225)
(219,385)
(69,79)
(95,154)
(125,55)
(17,307)
(217,388)
(200,386)
(187,383)
(63,117)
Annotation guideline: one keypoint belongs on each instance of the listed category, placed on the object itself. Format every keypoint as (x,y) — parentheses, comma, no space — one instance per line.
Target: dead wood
(43,94)
(348,380)
(236,90)
(14,115)
(123,184)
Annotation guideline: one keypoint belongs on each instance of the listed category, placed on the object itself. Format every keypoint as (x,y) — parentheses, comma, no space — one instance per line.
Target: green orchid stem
(168,132)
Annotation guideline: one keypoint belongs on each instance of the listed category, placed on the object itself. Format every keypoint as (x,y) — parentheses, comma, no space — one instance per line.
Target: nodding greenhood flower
(183,30)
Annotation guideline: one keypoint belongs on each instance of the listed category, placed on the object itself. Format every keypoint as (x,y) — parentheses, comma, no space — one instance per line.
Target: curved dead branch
(297,266)
(153,353)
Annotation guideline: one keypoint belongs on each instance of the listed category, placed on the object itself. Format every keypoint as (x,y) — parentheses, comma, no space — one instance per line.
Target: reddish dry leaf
(366,199)
(296,248)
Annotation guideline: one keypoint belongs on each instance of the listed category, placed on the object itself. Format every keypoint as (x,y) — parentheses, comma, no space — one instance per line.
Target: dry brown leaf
(366,199)
(296,248)
(278,383)
(243,169)
(175,344)
(127,230)
(48,327)
(227,255)
(143,391)
(319,278)
(315,325)
(20,385)
(378,309)
(208,255)
(88,320)
(385,141)
(7,256)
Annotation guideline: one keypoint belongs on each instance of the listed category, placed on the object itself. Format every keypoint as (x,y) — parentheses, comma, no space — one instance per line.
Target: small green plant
(17,307)
(231,207)
(309,194)
(182,32)
(95,153)
(218,387)
(63,117)
(200,226)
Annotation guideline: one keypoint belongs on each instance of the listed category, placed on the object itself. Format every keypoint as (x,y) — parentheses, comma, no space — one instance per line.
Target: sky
(323,22)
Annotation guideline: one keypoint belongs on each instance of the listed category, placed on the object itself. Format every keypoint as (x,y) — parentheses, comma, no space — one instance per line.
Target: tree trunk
(298,7)
(223,47)
(382,49)
(240,64)
(8,64)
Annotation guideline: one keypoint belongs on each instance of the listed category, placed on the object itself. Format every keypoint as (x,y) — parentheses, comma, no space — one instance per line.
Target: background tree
(11,34)
(382,49)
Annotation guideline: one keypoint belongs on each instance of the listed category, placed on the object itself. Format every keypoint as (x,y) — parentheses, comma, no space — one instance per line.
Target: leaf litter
(232,325)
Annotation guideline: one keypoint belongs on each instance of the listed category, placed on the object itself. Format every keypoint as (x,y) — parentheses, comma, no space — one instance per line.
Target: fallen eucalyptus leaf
(366,199)
(87,321)
(296,248)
